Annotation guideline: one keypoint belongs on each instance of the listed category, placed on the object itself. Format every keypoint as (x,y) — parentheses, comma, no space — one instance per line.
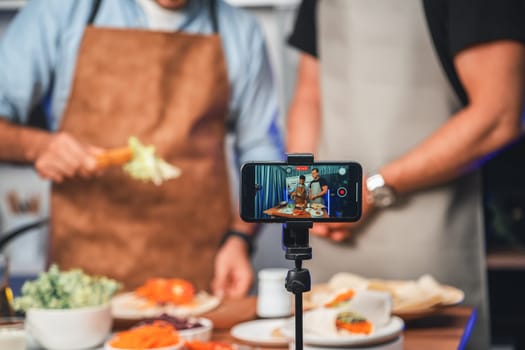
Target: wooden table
(442,331)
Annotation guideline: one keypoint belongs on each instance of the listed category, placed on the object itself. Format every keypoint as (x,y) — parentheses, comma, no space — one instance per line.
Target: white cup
(273,299)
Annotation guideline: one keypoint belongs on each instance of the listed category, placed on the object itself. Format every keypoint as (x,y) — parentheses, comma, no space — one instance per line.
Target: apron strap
(213,16)
(94,11)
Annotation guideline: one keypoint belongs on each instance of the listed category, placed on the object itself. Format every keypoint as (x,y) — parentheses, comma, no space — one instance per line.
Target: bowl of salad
(67,309)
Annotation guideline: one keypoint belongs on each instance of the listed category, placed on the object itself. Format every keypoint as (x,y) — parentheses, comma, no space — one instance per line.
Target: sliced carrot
(341,298)
(360,327)
(115,156)
(155,335)
(209,345)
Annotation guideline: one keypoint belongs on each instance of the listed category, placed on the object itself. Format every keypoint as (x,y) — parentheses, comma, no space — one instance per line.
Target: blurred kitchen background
(24,196)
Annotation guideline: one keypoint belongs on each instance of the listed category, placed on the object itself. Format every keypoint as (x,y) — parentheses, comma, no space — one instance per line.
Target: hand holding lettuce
(146,166)
(139,162)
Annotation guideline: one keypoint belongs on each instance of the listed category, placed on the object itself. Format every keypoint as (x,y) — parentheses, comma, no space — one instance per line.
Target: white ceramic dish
(69,329)
(261,332)
(13,336)
(316,213)
(381,334)
(199,333)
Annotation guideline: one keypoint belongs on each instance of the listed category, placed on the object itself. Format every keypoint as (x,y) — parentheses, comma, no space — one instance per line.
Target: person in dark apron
(172,90)
(387,104)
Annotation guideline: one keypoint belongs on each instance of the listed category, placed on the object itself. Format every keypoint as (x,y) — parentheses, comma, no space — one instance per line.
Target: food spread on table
(57,289)
(349,313)
(174,297)
(409,297)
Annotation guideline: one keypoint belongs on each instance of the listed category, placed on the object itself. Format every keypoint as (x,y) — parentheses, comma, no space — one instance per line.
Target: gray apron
(383,93)
(315,188)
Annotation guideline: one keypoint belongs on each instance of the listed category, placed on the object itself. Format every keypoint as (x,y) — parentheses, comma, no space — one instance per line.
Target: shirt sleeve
(304,34)
(472,22)
(27,56)
(255,108)
(323,182)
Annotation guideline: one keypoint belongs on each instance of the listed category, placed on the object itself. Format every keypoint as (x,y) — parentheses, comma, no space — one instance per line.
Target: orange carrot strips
(155,335)
(341,298)
(115,156)
(361,327)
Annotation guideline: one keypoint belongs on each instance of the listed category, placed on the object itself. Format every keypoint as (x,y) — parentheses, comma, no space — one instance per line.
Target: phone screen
(320,192)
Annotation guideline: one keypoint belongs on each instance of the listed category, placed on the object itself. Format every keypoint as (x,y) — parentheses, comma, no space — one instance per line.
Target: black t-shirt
(454,25)
(304,35)
(322,182)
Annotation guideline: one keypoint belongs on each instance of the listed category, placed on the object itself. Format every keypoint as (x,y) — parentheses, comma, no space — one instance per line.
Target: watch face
(384,197)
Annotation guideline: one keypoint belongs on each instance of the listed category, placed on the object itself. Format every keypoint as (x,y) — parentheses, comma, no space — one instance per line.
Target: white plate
(260,332)
(381,334)
(316,213)
(130,306)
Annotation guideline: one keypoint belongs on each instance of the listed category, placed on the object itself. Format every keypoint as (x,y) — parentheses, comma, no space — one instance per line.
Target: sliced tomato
(162,290)
(182,291)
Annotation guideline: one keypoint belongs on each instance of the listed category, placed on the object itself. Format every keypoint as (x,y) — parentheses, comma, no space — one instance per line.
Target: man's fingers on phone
(320,230)
(340,235)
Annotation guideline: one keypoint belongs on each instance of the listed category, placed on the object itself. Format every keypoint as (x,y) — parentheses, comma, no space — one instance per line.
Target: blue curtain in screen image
(273,187)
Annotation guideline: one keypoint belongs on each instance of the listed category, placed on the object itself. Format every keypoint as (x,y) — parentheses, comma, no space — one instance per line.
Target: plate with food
(316,213)
(349,319)
(411,298)
(265,332)
(158,335)
(174,297)
(316,206)
(363,322)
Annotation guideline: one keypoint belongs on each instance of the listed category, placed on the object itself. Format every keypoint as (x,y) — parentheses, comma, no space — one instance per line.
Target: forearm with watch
(492,75)
(380,194)
(244,233)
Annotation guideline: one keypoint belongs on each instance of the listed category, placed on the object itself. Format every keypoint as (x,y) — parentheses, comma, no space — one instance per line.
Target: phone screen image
(315,192)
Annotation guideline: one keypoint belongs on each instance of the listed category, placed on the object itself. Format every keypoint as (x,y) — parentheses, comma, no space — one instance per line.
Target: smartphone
(318,192)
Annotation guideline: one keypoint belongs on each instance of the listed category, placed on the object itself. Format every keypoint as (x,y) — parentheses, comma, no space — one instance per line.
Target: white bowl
(202,333)
(70,329)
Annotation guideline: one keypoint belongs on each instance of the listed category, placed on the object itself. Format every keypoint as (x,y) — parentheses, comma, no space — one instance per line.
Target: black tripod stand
(295,239)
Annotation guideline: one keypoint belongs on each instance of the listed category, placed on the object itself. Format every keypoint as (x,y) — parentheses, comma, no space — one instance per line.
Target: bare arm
(21,144)
(493,77)
(304,116)
(55,156)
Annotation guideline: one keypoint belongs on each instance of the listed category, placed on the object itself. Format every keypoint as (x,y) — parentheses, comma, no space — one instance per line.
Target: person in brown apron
(170,90)
(387,104)
(299,194)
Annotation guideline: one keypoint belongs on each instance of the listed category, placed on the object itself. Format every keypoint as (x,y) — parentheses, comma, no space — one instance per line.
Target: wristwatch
(381,194)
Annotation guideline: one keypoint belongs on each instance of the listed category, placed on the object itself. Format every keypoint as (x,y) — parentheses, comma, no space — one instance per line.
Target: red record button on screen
(301,168)
(341,192)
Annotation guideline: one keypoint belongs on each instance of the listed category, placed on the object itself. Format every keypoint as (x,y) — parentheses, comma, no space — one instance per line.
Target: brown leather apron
(170,90)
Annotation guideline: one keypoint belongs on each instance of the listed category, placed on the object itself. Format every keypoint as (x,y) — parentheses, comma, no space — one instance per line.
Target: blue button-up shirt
(39,49)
